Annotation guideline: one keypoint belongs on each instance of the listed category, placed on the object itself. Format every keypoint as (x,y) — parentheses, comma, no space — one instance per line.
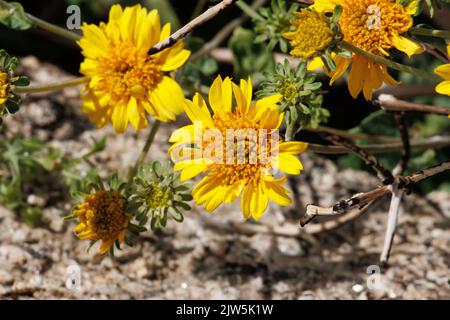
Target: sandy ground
(203,258)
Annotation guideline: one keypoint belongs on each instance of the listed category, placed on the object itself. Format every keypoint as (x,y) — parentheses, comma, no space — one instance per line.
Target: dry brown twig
(189,27)
(361,199)
(383,174)
(287,230)
(390,103)
(224,33)
(397,193)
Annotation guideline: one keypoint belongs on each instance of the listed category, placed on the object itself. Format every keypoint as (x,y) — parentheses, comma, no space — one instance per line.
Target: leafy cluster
(273,22)
(302,99)
(8,65)
(157,192)
(25,164)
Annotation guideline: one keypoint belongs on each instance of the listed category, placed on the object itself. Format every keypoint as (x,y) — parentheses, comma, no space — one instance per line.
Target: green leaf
(15,19)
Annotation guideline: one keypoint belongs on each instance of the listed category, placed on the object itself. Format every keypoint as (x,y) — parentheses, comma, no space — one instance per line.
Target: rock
(6,278)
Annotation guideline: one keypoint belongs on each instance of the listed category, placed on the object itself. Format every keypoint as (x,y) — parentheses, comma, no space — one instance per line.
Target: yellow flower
(238,170)
(102,217)
(4,88)
(125,82)
(444,72)
(375,26)
(312,34)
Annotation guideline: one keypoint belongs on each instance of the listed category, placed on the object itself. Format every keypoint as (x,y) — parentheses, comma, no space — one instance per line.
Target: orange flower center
(245,149)
(371,24)
(128,72)
(104,214)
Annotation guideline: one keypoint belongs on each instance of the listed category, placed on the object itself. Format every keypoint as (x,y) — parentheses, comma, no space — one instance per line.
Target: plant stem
(248,10)
(44,24)
(390,64)
(52,86)
(144,152)
(430,32)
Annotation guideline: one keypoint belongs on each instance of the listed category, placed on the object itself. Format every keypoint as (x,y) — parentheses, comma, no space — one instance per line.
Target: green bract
(276,20)
(302,99)
(9,101)
(158,192)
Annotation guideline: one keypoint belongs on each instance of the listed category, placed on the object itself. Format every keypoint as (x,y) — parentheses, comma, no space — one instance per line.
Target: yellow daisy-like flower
(4,88)
(375,26)
(444,72)
(312,35)
(102,217)
(204,147)
(125,82)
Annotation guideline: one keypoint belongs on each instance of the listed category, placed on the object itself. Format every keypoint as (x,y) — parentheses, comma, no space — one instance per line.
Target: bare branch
(361,199)
(390,103)
(406,152)
(394,210)
(288,230)
(433,142)
(383,174)
(224,33)
(193,24)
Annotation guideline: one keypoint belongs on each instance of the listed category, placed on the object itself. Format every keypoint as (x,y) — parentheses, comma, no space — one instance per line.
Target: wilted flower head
(159,193)
(9,101)
(126,83)
(104,215)
(302,100)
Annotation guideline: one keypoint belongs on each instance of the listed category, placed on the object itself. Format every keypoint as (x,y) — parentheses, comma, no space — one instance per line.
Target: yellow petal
(356,76)
(168,98)
(105,246)
(119,117)
(245,201)
(289,164)
(197,114)
(341,66)
(175,59)
(315,63)
(443,88)
(259,201)
(277,193)
(407,46)
(292,147)
(443,71)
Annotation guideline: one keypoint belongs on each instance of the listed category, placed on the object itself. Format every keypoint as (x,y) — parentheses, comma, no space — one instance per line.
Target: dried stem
(394,210)
(193,24)
(224,33)
(288,230)
(355,136)
(44,88)
(383,174)
(406,152)
(390,103)
(361,199)
(433,142)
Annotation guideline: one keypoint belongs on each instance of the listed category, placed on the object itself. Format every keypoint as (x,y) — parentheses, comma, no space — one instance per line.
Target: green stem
(430,32)
(390,64)
(249,10)
(52,86)
(144,152)
(44,24)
